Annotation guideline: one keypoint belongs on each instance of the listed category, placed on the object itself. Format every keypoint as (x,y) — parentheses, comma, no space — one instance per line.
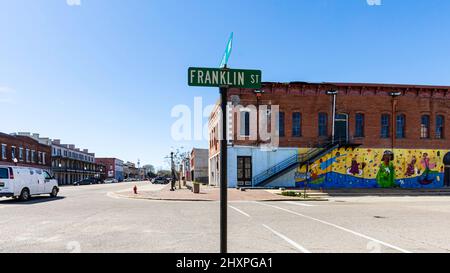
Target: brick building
(383,135)
(113,168)
(25,151)
(130,170)
(71,164)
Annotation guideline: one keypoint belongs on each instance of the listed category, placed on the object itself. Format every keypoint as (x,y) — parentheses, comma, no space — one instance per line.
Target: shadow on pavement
(33,200)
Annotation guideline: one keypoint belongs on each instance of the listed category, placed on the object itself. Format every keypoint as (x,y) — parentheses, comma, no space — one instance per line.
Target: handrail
(292,160)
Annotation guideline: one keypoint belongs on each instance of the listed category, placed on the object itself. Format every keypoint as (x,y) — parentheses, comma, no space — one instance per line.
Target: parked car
(87,181)
(24,182)
(111,180)
(160,180)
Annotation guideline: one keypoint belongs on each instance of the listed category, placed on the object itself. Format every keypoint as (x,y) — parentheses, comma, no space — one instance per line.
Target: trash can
(196,187)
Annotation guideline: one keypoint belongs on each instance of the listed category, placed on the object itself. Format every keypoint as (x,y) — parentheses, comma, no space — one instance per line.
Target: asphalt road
(91,219)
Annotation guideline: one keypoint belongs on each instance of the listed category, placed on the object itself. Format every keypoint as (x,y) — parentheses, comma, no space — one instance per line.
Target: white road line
(339,227)
(291,242)
(240,211)
(299,204)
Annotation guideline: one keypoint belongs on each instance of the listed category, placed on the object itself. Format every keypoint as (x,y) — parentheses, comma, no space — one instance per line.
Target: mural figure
(386,173)
(354,169)
(426,178)
(411,169)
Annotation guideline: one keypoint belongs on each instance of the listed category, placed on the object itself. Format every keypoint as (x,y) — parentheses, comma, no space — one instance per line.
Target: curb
(210,200)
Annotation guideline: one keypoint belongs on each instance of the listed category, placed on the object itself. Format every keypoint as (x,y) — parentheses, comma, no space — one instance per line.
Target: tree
(149,168)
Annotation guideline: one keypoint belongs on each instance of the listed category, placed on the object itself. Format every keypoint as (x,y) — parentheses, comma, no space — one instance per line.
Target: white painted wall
(261,161)
(214,170)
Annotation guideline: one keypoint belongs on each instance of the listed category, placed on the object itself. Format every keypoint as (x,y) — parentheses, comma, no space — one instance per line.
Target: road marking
(299,204)
(339,227)
(240,211)
(291,242)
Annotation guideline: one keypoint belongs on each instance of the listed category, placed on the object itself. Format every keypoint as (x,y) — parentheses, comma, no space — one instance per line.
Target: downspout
(394,118)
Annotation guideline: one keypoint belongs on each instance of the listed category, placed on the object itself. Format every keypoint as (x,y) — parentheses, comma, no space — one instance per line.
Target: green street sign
(214,77)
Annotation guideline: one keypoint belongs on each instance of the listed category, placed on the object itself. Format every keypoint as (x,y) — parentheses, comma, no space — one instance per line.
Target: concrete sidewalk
(209,194)
(387,192)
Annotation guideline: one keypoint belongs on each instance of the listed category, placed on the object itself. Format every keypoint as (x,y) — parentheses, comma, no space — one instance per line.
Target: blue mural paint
(326,164)
(335,180)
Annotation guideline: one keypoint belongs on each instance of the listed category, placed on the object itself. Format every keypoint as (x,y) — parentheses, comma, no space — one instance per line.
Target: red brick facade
(27,151)
(371,100)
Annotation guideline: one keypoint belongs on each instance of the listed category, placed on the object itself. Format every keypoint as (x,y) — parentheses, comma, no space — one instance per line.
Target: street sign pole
(223,173)
(224,78)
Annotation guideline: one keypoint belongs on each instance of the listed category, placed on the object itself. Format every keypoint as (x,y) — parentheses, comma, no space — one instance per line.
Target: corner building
(381,136)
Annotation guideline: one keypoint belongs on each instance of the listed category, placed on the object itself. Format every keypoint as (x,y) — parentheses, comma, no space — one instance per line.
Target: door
(244,171)
(341,128)
(4,177)
(40,187)
(49,183)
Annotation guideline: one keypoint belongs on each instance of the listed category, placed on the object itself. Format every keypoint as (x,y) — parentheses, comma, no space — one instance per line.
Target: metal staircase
(292,162)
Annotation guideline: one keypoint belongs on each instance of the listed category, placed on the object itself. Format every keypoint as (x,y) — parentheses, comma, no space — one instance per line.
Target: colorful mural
(375,168)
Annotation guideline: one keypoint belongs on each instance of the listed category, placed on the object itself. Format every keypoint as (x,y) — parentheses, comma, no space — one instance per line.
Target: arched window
(425,126)
(359,125)
(281,127)
(323,124)
(440,123)
(245,123)
(296,124)
(401,122)
(385,126)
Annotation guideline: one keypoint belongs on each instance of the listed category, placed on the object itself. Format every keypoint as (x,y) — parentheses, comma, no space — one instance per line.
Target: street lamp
(333,93)
(395,94)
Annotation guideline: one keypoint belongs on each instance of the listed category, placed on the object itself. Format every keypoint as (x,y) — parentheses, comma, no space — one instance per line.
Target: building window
(281,127)
(385,126)
(296,124)
(13,153)
(245,123)
(439,127)
(39,158)
(401,121)
(3,151)
(323,124)
(43,158)
(359,123)
(425,126)
(33,156)
(27,155)
(21,154)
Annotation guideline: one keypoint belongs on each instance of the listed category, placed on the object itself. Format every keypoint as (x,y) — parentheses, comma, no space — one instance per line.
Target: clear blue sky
(105,75)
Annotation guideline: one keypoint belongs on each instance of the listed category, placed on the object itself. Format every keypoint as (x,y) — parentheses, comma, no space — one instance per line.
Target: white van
(23,182)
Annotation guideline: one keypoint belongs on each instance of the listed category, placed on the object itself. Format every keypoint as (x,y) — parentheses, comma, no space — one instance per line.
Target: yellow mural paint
(365,163)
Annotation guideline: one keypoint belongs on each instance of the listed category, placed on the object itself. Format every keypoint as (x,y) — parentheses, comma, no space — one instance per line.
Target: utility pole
(139,168)
(172,167)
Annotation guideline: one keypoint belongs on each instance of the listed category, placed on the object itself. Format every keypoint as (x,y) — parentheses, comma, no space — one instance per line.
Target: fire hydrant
(135,189)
